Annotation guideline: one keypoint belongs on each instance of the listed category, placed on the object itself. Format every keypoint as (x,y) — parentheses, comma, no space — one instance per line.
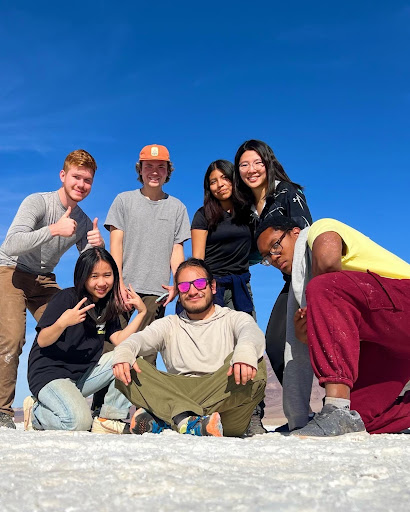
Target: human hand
(242,372)
(124,296)
(172,294)
(122,371)
(300,325)
(65,226)
(135,300)
(94,237)
(76,315)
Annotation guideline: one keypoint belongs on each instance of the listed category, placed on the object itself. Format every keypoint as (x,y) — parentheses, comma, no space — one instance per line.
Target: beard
(197,308)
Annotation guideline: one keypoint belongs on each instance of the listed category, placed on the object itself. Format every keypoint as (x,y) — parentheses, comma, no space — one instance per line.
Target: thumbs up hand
(94,236)
(65,226)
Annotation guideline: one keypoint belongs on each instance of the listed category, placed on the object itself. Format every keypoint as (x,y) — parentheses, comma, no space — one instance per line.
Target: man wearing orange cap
(147,230)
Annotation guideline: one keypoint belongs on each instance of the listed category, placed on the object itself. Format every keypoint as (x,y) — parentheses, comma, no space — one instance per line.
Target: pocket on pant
(379,292)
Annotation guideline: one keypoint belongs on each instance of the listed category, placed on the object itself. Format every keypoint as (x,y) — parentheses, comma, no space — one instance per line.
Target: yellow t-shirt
(361,253)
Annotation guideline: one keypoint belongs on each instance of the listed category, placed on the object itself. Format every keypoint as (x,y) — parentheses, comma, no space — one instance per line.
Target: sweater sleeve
(298,372)
(250,340)
(23,237)
(144,343)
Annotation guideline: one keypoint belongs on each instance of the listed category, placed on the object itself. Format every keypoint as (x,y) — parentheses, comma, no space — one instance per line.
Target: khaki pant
(166,394)
(18,291)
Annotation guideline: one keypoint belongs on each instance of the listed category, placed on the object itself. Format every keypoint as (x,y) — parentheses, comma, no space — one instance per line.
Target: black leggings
(276,333)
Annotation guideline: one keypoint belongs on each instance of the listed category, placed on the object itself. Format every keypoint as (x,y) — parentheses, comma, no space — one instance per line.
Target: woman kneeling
(67,364)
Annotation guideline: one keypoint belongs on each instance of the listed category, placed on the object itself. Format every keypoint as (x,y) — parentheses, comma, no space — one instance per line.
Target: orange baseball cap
(154,152)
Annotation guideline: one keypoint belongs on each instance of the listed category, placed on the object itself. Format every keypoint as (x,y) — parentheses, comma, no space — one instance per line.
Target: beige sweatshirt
(196,347)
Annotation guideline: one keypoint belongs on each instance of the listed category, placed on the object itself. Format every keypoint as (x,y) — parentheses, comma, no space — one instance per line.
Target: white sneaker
(107,426)
(28,403)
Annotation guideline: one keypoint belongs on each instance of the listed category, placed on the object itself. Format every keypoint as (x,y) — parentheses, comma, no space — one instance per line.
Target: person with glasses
(216,373)
(263,186)
(349,305)
(273,251)
(221,236)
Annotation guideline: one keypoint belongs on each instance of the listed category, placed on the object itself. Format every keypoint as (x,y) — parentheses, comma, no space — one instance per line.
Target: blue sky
(326,84)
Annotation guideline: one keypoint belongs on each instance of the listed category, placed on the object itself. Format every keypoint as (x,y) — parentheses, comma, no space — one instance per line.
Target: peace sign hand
(135,300)
(76,315)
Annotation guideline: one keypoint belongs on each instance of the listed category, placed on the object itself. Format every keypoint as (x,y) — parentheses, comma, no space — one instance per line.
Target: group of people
(343,312)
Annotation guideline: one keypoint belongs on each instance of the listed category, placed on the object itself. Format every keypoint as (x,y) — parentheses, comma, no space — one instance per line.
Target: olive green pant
(154,311)
(166,395)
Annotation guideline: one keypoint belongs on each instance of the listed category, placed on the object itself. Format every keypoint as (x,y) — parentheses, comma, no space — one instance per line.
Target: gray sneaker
(6,420)
(255,425)
(331,422)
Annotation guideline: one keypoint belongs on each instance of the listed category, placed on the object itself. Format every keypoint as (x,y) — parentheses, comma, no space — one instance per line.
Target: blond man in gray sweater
(215,375)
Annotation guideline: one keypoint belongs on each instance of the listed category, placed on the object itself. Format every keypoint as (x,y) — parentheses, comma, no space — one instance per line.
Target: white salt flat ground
(73,472)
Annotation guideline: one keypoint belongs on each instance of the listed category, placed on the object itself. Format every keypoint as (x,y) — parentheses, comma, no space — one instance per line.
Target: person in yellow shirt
(358,252)
(355,319)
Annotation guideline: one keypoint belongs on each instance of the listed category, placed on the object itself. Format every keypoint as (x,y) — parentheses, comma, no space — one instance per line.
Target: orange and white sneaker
(28,403)
(107,426)
(203,426)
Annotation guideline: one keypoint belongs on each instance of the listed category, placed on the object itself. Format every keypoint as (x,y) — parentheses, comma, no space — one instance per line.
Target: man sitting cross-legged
(216,372)
(356,323)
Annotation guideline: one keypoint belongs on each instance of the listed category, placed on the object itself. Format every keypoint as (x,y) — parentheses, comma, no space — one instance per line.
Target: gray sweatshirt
(29,245)
(298,372)
(196,347)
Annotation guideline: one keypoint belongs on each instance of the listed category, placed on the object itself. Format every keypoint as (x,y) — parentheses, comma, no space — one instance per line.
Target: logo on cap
(154,152)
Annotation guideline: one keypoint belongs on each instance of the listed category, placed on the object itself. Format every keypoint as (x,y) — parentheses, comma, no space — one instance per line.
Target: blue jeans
(61,404)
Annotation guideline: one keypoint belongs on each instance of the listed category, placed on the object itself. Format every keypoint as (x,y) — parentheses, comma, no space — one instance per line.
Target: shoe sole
(214,427)
(27,409)
(100,428)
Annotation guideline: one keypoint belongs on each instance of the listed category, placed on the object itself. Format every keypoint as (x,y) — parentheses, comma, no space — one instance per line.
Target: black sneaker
(332,421)
(283,429)
(6,420)
(255,426)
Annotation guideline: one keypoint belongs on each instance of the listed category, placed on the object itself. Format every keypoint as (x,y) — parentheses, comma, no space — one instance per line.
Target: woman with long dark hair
(264,187)
(222,237)
(66,362)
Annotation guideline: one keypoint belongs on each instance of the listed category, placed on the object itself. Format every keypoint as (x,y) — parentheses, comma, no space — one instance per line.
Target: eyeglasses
(245,166)
(274,251)
(200,284)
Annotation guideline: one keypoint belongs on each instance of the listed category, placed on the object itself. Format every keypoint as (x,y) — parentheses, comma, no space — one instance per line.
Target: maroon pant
(359,335)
